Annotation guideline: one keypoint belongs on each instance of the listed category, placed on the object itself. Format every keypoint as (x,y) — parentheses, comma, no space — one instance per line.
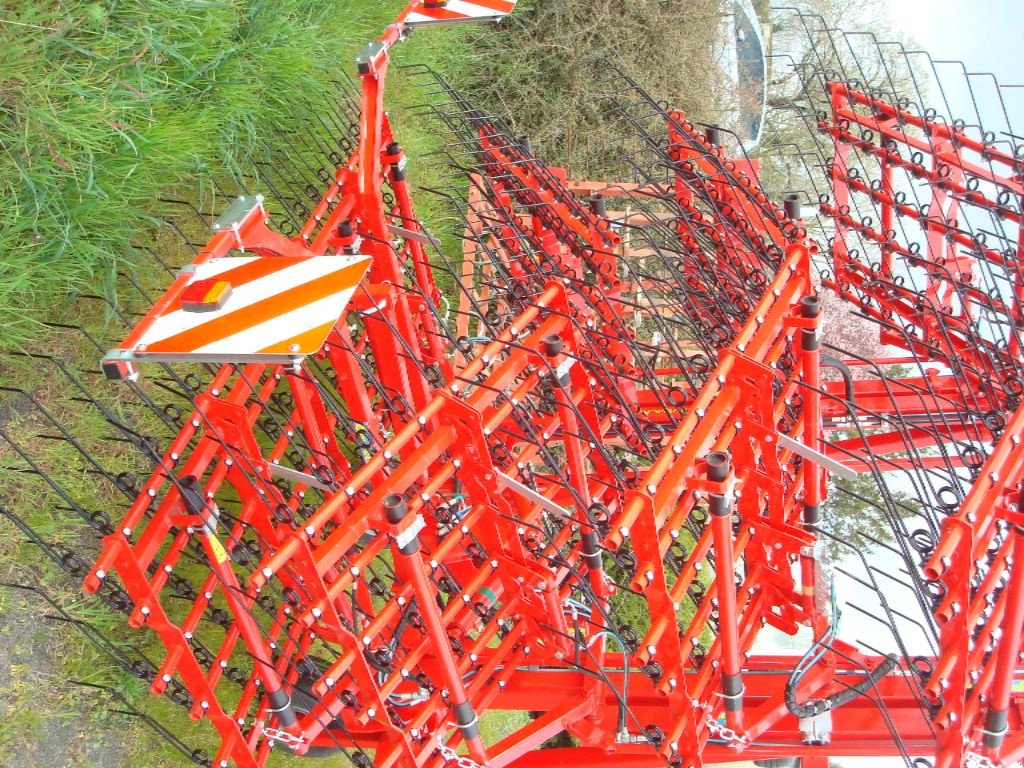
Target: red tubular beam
(395,510)
(421,263)
(540,730)
(220,564)
(810,353)
(810,359)
(725,581)
(882,121)
(1009,647)
(590,544)
(279,702)
(1003,469)
(757,339)
(552,345)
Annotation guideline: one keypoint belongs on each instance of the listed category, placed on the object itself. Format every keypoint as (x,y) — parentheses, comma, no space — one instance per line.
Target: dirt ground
(33,734)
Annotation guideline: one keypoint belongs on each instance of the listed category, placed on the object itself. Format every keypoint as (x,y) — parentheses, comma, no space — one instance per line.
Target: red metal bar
(408,552)
(810,349)
(1008,654)
(725,578)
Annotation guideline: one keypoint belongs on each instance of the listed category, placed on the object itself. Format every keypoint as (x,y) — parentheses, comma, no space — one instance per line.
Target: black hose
(829,361)
(817,706)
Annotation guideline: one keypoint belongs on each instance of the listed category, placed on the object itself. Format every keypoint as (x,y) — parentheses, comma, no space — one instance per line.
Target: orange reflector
(205,295)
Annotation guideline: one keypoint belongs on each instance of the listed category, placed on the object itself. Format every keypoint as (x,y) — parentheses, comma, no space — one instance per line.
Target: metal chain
(451,757)
(974,760)
(724,732)
(281,736)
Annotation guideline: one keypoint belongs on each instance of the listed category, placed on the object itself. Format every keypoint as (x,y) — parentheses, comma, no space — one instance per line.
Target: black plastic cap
(395,508)
(718,466)
(552,345)
(467,721)
(281,705)
(812,514)
(810,306)
(791,205)
(732,689)
(116,370)
(112,371)
(591,550)
(191,494)
(995,728)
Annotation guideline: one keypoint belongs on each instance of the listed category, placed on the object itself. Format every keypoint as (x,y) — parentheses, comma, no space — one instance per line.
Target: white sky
(985,34)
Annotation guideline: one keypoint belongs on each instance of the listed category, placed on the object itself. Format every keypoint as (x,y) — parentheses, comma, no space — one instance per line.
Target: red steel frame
(502,639)
(938,320)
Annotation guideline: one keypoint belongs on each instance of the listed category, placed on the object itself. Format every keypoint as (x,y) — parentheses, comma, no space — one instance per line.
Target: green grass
(104,106)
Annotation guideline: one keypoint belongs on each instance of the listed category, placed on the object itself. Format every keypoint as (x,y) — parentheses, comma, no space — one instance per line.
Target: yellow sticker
(1017,686)
(219,553)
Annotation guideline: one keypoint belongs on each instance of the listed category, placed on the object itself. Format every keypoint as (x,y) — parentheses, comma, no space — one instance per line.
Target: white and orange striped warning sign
(274,305)
(454,11)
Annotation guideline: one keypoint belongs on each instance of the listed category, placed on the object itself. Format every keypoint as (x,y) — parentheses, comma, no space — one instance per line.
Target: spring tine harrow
(597,463)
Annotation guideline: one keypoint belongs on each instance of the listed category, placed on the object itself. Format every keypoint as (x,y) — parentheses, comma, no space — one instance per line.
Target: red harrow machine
(560,498)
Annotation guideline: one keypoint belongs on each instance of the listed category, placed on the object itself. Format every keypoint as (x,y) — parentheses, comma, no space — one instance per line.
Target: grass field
(105,106)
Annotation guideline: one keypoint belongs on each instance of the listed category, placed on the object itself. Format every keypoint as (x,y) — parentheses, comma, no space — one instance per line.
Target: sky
(985,34)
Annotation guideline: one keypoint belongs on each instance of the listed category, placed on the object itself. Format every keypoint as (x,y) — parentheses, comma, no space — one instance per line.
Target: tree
(809,47)
(546,69)
(865,511)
